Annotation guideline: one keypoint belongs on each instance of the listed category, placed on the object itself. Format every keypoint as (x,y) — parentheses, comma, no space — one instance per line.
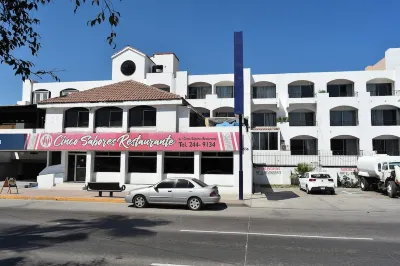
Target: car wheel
(139,201)
(333,192)
(195,203)
(300,186)
(391,189)
(307,190)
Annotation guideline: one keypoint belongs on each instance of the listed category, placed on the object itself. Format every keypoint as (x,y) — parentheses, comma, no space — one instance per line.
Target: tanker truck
(381,172)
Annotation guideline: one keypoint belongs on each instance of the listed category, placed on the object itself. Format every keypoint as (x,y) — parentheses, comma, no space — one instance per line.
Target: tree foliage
(18,25)
(303,168)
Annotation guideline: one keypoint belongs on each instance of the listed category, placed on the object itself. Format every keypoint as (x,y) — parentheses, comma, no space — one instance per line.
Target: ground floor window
(107,162)
(217,163)
(179,163)
(142,162)
(55,157)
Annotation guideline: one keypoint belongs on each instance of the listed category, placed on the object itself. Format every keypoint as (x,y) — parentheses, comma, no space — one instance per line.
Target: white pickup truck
(380,172)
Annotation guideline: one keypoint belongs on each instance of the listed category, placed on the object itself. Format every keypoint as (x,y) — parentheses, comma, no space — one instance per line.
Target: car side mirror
(156,188)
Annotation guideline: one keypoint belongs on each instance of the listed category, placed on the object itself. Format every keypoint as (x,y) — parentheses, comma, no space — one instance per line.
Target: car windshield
(200,183)
(320,176)
(393,164)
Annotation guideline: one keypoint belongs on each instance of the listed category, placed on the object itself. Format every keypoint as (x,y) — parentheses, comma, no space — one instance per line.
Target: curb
(103,200)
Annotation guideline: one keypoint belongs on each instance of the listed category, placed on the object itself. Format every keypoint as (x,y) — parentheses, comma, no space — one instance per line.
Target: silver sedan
(180,191)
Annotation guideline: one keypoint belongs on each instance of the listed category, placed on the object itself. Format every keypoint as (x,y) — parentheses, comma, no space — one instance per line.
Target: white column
(89,166)
(213,90)
(125,121)
(64,162)
(197,164)
(160,164)
(91,125)
(124,168)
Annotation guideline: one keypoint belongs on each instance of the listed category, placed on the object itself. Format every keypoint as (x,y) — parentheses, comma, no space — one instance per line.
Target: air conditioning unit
(284,147)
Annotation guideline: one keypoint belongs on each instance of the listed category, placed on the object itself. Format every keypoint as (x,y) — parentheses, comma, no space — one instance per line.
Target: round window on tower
(128,68)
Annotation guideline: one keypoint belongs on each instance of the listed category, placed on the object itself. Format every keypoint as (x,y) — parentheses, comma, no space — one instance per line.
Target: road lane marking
(278,235)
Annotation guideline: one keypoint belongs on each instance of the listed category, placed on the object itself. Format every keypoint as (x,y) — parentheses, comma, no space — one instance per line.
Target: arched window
(40,95)
(109,117)
(142,116)
(76,117)
(67,92)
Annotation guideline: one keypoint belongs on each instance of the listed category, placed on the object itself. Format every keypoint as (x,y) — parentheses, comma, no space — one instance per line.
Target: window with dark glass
(301,91)
(344,118)
(265,141)
(224,91)
(264,119)
(380,89)
(343,90)
(109,117)
(166,184)
(179,163)
(76,117)
(183,183)
(142,162)
(303,147)
(143,116)
(217,163)
(386,146)
(385,117)
(264,92)
(224,114)
(301,119)
(344,146)
(199,92)
(107,162)
(67,92)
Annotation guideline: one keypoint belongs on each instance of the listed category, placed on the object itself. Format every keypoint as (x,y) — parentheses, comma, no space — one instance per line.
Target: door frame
(76,154)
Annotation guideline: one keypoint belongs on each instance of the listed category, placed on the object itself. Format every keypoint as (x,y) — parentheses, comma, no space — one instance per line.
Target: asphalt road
(68,233)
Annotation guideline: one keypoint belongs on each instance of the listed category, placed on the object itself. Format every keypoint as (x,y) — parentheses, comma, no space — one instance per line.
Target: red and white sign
(210,141)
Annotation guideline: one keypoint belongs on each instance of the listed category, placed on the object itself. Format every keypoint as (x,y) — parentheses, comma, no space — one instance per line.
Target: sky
(280,36)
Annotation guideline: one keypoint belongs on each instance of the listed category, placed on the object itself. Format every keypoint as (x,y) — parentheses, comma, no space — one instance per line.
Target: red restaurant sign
(210,141)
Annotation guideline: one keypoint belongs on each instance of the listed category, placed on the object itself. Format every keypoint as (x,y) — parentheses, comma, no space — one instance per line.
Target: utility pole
(239,99)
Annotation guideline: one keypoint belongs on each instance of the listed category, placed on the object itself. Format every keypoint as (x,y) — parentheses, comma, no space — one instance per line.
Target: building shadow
(25,238)
(271,194)
(19,261)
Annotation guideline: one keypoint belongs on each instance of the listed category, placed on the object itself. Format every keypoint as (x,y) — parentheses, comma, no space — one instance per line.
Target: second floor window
(143,116)
(385,117)
(224,91)
(344,90)
(109,117)
(76,117)
(344,118)
(264,92)
(40,95)
(380,89)
(301,91)
(199,92)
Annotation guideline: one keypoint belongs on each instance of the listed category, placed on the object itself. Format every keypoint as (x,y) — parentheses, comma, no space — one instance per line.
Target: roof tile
(123,91)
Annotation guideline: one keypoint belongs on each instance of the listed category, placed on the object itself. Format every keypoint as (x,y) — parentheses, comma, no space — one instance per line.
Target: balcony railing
(304,152)
(345,152)
(345,94)
(225,94)
(265,95)
(338,123)
(301,95)
(385,122)
(389,152)
(302,123)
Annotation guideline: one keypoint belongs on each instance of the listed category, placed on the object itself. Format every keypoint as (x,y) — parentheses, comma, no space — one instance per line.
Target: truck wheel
(364,184)
(391,189)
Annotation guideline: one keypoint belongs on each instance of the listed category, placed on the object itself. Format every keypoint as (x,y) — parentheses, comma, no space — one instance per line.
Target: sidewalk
(86,196)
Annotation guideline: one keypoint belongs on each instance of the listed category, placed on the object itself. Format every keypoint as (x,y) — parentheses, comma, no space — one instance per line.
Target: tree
(17,30)
(303,168)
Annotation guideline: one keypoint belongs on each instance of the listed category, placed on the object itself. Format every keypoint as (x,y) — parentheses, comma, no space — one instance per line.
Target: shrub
(348,182)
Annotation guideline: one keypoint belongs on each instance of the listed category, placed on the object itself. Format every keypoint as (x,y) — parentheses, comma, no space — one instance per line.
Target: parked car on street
(316,181)
(179,191)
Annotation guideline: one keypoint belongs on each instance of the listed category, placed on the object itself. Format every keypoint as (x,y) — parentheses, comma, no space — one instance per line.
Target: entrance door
(76,167)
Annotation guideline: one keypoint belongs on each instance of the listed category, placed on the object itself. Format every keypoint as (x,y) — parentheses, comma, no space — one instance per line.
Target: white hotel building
(327,118)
